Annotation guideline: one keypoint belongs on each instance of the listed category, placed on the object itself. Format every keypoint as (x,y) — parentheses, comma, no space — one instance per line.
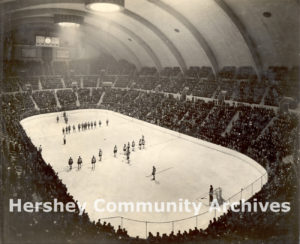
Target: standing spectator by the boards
(40,149)
(211,194)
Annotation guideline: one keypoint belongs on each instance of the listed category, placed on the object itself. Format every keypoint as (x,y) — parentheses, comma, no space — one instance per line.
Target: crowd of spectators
(261,133)
(45,100)
(67,98)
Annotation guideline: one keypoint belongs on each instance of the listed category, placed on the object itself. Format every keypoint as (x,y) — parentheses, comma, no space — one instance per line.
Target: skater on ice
(99,123)
(93,162)
(79,162)
(128,146)
(57,119)
(133,145)
(100,154)
(140,144)
(70,163)
(124,149)
(64,140)
(107,121)
(115,151)
(153,173)
(128,156)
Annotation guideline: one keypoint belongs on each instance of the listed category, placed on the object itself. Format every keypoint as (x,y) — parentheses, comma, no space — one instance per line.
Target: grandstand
(193,78)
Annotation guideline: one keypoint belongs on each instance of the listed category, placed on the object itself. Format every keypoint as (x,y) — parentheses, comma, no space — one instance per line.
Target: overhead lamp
(68,20)
(105,6)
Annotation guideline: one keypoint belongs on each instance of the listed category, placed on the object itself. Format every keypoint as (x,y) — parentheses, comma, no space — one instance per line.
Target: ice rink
(185,168)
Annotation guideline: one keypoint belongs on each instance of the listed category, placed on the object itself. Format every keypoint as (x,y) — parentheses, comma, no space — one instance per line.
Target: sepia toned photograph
(149,121)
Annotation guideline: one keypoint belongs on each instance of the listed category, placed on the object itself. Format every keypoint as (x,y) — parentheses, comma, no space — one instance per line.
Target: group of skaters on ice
(126,152)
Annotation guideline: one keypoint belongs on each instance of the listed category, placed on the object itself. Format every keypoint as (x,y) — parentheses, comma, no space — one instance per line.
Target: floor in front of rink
(184,169)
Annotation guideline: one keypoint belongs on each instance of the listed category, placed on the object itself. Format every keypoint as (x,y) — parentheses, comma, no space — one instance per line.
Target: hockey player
(74,128)
(57,119)
(128,146)
(153,173)
(143,142)
(99,123)
(93,162)
(107,121)
(124,149)
(79,162)
(115,151)
(100,154)
(95,124)
(78,127)
(140,144)
(128,156)
(64,140)
(70,163)
(133,145)
(92,125)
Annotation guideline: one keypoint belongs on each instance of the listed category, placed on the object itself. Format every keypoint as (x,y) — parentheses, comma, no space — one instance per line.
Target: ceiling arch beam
(193,30)
(49,20)
(124,29)
(243,31)
(168,42)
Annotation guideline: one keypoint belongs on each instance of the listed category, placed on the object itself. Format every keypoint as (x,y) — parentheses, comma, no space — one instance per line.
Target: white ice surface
(189,166)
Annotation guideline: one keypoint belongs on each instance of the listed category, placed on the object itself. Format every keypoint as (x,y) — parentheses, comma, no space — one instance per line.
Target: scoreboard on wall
(46,41)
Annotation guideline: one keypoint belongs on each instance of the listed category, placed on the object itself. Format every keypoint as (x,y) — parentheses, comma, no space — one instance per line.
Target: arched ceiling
(182,33)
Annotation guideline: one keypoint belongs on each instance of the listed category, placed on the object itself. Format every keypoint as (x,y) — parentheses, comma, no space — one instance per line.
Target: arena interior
(220,71)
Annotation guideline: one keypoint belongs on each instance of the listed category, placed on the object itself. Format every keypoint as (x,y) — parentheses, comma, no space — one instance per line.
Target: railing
(141,228)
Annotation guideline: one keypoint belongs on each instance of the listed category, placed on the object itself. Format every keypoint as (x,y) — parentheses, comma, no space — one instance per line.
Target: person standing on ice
(65,141)
(133,145)
(107,121)
(140,144)
(128,146)
(70,163)
(93,162)
(99,123)
(124,149)
(100,154)
(57,119)
(79,162)
(211,194)
(115,151)
(153,172)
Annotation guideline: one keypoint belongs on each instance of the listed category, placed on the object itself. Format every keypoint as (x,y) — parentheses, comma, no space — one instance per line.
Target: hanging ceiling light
(106,6)
(68,20)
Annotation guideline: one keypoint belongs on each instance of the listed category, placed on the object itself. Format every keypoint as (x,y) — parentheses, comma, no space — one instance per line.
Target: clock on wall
(47,40)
